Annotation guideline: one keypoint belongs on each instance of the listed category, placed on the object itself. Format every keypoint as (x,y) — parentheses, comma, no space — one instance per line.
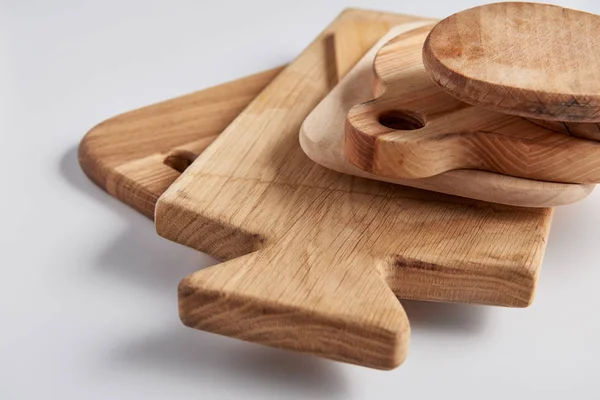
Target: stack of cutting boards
(308,183)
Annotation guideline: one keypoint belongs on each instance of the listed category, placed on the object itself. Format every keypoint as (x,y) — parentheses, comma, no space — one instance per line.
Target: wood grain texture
(136,156)
(450,134)
(314,259)
(583,130)
(322,139)
(533,60)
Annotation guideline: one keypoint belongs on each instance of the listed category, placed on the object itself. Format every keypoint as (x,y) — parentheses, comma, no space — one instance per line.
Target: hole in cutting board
(179,160)
(401,120)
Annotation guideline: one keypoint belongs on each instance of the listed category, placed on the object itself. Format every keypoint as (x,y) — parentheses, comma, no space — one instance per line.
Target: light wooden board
(314,259)
(322,138)
(533,60)
(413,129)
(136,156)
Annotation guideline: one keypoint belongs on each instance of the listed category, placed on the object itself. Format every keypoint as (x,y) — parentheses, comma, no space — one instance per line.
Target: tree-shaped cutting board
(314,260)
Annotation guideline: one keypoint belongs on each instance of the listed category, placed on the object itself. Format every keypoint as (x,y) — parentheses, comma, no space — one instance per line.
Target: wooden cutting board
(322,137)
(414,129)
(314,259)
(136,156)
(533,60)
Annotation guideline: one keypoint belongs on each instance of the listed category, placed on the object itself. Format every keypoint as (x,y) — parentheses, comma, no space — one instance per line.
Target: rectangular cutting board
(314,259)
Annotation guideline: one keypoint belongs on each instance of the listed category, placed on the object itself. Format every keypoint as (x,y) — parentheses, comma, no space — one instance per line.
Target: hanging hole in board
(401,120)
(179,160)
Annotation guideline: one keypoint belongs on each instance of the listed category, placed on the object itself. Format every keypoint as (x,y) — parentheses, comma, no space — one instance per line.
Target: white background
(88,291)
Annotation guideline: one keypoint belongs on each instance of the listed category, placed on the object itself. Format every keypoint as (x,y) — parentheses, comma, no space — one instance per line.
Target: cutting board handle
(282,298)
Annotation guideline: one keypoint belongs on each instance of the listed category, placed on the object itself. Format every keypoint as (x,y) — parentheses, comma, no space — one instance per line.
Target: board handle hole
(401,120)
(179,160)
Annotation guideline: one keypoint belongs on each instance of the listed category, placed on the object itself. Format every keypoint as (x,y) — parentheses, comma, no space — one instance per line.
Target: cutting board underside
(315,258)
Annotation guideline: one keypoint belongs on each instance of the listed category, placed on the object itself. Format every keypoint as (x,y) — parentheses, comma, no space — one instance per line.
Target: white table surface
(88,290)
